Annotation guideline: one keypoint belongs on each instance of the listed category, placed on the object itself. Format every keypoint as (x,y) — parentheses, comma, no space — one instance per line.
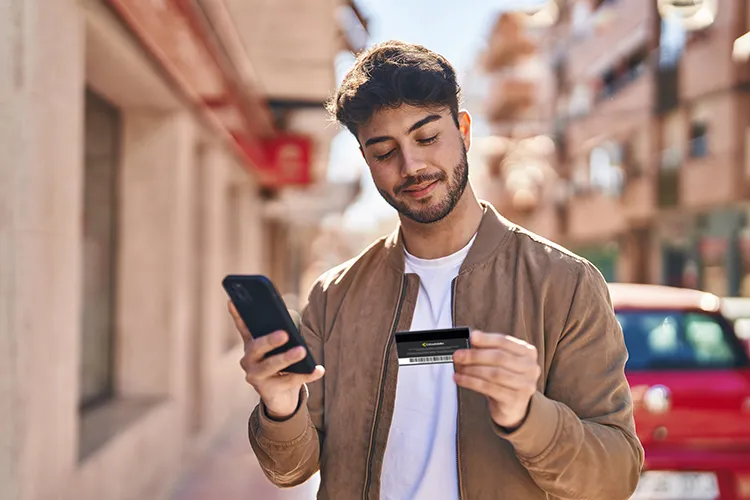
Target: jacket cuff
(537,433)
(282,431)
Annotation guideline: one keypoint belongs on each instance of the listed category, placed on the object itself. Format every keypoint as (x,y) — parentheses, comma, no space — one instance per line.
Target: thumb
(317,374)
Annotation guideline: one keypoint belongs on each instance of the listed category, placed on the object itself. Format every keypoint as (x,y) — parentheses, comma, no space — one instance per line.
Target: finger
(241,327)
(512,344)
(258,348)
(494,357)
(494,391)
(499,376)
(317,374)
(273,365)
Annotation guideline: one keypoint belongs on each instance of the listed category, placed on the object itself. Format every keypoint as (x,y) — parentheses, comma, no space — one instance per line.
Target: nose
(412,162)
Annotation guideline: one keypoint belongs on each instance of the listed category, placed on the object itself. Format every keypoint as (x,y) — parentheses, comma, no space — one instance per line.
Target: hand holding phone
(276,362)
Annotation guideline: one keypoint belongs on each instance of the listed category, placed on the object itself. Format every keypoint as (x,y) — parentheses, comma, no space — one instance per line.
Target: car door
(690,379)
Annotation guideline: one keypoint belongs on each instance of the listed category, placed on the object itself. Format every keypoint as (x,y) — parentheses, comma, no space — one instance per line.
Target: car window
(677,341)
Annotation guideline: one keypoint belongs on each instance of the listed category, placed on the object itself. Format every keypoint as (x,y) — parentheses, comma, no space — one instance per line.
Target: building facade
(139,150)
(652,134)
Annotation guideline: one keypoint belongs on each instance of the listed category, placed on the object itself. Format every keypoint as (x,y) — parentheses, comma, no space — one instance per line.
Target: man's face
(417,158)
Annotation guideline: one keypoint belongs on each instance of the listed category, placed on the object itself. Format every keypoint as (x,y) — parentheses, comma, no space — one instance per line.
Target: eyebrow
(421,123)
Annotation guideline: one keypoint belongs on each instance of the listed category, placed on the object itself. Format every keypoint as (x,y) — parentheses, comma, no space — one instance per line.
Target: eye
(385,156)
(429,140)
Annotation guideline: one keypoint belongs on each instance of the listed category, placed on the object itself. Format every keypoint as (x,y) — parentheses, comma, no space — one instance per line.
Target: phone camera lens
(241,294)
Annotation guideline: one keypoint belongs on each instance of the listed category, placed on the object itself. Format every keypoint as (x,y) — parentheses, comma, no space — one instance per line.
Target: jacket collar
(493,232)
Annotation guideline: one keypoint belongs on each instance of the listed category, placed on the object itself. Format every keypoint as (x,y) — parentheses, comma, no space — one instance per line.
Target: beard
(432,211)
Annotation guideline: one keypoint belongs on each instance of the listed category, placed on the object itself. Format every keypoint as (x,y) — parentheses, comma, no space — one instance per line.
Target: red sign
(281,161)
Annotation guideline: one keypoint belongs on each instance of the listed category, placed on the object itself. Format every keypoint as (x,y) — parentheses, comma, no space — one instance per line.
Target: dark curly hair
(391,74)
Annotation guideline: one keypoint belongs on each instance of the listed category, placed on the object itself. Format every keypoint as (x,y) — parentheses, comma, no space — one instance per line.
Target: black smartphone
(263,310)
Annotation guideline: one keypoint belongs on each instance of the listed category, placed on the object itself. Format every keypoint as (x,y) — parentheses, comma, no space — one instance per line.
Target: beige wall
(176,379)
(41,70)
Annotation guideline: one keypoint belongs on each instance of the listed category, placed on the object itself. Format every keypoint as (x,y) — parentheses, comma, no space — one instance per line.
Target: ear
(464,126)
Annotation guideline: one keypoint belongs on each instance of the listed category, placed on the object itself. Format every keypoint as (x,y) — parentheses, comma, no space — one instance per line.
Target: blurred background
(149,147)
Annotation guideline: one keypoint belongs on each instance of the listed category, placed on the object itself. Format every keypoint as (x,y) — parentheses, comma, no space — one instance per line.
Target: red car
(690,378)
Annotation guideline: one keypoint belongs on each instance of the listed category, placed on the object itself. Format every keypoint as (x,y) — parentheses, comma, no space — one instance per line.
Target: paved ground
(230,471)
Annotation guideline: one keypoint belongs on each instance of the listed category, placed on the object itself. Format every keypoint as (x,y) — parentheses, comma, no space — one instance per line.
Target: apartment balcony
(510,99)
(632,94)
(624,110)
(542,217)
(615,29)
(707,64)
(595,216)
(292,44)
(508,44)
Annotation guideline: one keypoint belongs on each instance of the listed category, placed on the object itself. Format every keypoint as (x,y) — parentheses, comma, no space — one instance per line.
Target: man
(537,408)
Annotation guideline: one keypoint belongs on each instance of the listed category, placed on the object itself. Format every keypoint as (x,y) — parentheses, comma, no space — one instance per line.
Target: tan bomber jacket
(578,441)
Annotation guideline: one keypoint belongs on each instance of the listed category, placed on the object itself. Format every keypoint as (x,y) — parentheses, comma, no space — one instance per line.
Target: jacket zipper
(381,390)
(458,410)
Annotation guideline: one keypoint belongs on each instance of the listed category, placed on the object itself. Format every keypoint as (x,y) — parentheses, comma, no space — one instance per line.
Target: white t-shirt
(421,457)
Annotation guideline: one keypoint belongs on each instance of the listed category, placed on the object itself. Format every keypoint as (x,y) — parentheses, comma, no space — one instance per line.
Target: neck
(447,236)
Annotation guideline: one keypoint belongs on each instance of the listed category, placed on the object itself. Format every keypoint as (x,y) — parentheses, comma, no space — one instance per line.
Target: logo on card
(432,344)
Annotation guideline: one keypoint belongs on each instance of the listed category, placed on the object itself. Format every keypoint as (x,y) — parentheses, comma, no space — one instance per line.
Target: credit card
(425,347)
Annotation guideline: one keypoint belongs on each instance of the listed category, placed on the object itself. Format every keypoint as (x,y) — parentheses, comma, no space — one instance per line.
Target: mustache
(419,179)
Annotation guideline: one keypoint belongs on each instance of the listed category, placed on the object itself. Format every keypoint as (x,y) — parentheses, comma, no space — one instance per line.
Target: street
(229,471)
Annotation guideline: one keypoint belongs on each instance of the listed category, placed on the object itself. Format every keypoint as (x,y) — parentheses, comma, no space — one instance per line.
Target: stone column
(41,123)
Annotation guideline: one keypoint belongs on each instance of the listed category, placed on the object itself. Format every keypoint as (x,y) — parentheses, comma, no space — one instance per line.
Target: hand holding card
(504,369)
(430,346)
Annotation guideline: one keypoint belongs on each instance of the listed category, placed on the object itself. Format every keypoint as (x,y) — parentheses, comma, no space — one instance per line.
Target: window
(698,140)
(605,169)
(623,72)
(102,132)
(673,340)
(699,132)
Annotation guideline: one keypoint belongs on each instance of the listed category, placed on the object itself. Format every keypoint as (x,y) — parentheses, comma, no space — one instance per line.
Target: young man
(537,408)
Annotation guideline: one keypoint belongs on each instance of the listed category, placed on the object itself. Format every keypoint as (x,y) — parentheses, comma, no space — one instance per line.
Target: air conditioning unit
(692,14)
(681,8)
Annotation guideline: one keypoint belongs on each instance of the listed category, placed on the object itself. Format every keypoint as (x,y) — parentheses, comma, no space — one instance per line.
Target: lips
(421,190)
(421,186)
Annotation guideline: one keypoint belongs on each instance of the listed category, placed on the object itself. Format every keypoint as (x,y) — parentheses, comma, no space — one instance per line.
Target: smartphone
(263,310)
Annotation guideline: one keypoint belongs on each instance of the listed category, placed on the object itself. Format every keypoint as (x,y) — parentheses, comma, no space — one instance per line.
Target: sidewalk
(230,471)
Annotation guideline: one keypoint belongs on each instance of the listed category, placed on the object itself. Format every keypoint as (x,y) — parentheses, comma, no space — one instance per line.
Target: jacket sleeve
(289,451)
(578,440)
